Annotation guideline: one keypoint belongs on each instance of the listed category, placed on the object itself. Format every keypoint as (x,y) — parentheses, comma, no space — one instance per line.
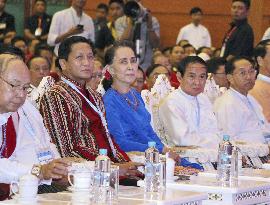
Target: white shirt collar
(4,118)
(239,94)
(190,97)
(74,13)
(263,78)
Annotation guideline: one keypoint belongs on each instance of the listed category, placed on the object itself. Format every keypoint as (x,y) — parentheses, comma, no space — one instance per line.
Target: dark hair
(45,2)
(199,50)
(66,46)
(41,46)
(171,48)
(151,68)
(182,66)
(214,63)
(16,39)
(120,2)
(57,64)
(103,6)
(195,10)
(246,2)
(260,51)
(109,56)
(230,65)
(140,69)
(110,53)
(33,57)
(188,45)
(264,42)
(12,50)
(166,49)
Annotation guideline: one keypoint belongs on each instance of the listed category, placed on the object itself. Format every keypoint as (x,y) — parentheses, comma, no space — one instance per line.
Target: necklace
(134,103)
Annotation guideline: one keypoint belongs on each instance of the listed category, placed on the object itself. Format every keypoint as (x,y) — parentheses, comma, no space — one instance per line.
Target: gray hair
(5,59)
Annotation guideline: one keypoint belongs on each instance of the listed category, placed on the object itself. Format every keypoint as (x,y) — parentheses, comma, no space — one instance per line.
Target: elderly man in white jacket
(25,145)
(238,113)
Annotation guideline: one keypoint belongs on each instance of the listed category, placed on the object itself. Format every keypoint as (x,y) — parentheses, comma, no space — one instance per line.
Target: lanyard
(229,34)
(28,126)
(4,140)
(197,110)
(227,37)
(198,113)
(73,17)
(97,110)
(261,121)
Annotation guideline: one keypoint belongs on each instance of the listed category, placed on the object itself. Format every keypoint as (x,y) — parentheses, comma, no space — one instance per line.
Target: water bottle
(152,169)
(227,168)
(102,176)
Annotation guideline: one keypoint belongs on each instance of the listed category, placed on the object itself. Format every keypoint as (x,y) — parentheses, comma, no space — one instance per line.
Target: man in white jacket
(25,146)
(187,113)
(238,113)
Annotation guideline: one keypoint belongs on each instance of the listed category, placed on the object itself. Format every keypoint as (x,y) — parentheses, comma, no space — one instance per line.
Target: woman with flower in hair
(128,120)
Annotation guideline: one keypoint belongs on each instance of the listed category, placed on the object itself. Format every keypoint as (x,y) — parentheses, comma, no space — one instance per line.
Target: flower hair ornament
(107,74)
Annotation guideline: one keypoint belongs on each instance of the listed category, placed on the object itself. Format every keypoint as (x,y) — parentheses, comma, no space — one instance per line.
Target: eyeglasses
(244,73)
(17,88)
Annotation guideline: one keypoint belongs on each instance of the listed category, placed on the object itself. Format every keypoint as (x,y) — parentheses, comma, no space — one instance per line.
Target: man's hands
(55,169)
(58,168)
(75,30)
(129,169)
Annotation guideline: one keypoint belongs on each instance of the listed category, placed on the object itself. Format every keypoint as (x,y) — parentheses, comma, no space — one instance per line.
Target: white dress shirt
(32,137)
(189,120)
(64,20)
(197,36)
(266,34)
(241,117)
(212,90)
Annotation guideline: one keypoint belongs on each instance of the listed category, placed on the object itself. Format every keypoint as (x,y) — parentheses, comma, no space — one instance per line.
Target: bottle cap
(226,138)
(103,151)
(151,144)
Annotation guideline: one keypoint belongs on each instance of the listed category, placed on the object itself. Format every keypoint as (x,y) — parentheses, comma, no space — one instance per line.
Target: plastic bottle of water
(227,161)
(102,176)
(152,169)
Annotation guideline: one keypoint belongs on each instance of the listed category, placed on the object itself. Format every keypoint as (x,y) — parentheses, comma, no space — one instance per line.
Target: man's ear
(230,78)
(63,64)
(179,77)
(260,61)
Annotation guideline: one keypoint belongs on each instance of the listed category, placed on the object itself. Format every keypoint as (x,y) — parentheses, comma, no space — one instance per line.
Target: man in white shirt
(261,90)
(25,145)
(70,22)
(39,67)
(195,33)
(186,113)
(217,82)
(238,113)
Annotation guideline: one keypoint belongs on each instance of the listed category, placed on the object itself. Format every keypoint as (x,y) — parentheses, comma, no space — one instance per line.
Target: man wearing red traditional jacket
(74,115)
